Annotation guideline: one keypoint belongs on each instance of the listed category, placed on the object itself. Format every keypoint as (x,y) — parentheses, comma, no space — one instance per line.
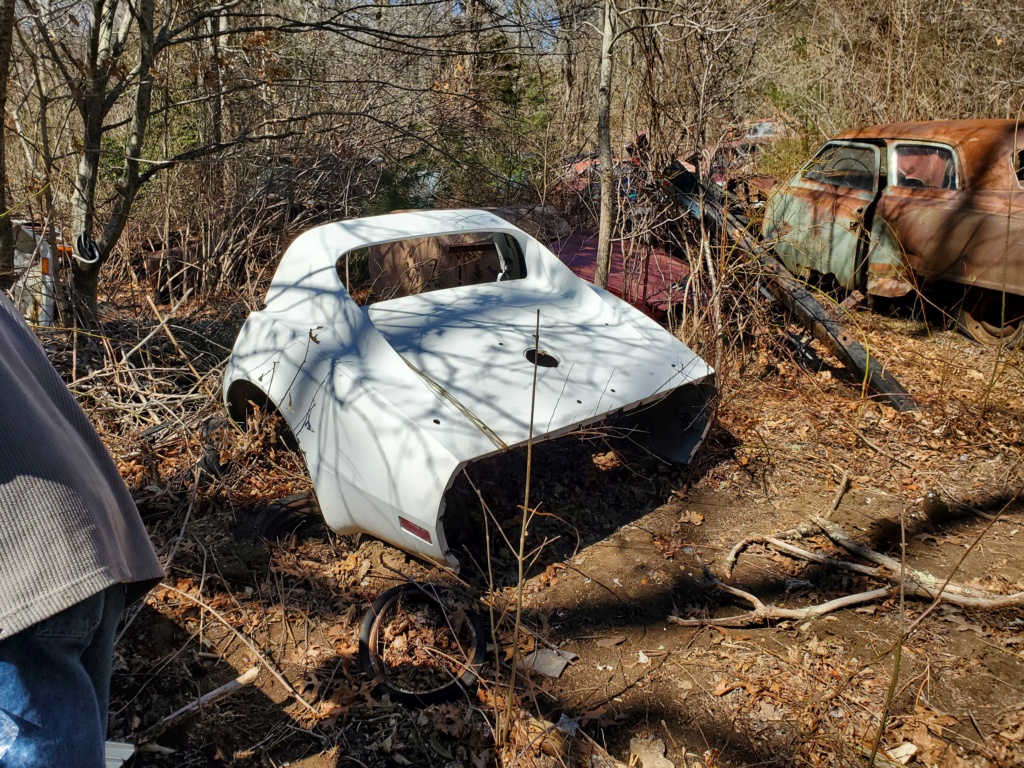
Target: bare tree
(112,61)
(6,233)
(604,146)
(716,42)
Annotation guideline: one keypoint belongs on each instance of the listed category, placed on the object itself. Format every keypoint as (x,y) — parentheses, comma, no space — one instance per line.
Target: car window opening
(840,165)
(423,264)
(1019,166)
(924,167)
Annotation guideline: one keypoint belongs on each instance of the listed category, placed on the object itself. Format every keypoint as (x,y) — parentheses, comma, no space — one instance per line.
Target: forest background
(223,130)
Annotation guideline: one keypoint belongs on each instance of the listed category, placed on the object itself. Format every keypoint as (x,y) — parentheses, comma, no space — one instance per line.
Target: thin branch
(244,680)
(763,613)
(876,448)
(248,644)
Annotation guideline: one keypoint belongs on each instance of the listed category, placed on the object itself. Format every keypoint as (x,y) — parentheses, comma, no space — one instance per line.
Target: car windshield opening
(841,165)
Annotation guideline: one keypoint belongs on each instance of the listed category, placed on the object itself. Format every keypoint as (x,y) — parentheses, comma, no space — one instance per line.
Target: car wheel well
(244,398)
(992,318)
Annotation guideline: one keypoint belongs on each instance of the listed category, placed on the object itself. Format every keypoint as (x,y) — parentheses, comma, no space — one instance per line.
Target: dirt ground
(625,543)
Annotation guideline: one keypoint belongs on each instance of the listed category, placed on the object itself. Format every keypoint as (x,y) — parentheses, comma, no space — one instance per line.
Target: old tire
(981,317)
(382,610)
(298,513)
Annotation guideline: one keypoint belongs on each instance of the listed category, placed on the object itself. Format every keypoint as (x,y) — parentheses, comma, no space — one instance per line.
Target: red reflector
(415,530)
(44,265)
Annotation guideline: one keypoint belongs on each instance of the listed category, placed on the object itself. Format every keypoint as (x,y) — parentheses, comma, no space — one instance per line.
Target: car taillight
(44,265)
(415,530)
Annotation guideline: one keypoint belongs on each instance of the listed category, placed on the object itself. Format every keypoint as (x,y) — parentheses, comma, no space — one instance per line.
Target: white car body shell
(389,402)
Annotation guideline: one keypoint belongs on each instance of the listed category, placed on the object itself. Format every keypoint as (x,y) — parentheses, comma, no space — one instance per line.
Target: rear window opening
(423,264)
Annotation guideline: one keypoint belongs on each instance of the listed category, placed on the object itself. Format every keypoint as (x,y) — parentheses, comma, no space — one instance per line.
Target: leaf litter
(789,694)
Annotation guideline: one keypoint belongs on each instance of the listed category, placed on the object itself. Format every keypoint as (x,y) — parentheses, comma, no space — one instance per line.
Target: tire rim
(454,666)
(989,306)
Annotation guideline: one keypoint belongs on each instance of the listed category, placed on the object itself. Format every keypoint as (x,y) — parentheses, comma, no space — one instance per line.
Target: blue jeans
(55,684)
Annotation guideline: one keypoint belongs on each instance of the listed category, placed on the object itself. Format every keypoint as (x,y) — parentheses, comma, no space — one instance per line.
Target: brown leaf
(692,516)
(311,683)
(962,625)
(725,687)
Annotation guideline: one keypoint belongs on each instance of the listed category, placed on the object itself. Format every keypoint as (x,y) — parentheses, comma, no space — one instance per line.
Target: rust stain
(887,279)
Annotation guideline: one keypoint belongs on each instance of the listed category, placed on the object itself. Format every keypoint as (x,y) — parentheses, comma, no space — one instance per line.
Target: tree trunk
(604,150)
(104,47)
(85,277)
(6,233)
(473,21)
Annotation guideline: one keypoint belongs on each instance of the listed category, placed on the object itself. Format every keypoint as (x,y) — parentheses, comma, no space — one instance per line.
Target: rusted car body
(891,208)
(739,155)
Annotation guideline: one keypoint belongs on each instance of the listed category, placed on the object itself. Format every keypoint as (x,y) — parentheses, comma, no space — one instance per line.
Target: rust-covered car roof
(985,146)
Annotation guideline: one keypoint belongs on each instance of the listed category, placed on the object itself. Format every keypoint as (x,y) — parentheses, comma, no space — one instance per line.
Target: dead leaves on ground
(825,696)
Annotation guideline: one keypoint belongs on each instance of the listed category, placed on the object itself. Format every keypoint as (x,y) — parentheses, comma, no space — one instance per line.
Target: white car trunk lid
(480,348)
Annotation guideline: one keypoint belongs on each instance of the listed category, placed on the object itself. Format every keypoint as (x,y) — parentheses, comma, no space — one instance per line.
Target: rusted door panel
(887,270)
(818,226)
(964,236)
(819,229)
(847,229)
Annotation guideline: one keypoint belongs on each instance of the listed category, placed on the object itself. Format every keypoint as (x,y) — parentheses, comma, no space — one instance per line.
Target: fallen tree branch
(844,484)
(799,532)
(248,644)
(935,602)
(228,689)
(921,583)
(816,557)
(762,613)
(800,554)
(915,582)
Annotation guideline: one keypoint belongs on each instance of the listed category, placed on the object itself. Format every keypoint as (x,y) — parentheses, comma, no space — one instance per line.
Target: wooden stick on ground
(248,644)
(876,448)
(844,484)
(228,689)
(201,380)
(762,613)
(799,532)
(915,582)
(921,583)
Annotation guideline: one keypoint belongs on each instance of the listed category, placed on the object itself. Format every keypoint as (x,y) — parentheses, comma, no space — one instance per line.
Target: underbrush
(788,424)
